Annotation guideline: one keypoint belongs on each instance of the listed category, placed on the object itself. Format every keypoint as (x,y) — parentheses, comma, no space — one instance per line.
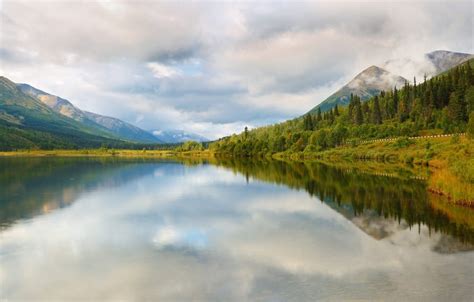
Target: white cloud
(216,66)
(161,71)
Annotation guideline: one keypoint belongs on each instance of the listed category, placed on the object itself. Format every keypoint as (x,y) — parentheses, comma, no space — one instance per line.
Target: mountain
(123,129)
(443,60)
(375,79)
(26,122)
(366,84)
(105,125)
(178,136)
(430,64)
(56,103)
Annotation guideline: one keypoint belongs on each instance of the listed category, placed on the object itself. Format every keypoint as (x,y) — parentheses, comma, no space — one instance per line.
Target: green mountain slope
(373,80)
(25,122)
(442,104)
(105,125)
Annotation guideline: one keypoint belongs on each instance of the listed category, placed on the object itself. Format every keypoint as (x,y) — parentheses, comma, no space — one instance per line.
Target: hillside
(443,104)
(105,125)
(373,80)
(25,122)
(366,84)
(123,129)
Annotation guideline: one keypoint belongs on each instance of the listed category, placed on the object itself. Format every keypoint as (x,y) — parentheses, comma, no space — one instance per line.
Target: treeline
(353,193)
(442,104)
(16,138)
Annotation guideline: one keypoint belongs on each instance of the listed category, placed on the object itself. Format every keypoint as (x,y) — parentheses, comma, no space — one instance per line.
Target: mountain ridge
(26,122)
(365,84)
(433,63)
(107,125)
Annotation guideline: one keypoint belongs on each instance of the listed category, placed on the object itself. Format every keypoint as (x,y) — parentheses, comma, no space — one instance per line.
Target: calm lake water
(138,230)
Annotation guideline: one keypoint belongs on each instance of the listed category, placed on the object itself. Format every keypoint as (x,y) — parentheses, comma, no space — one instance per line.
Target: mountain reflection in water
(225,230)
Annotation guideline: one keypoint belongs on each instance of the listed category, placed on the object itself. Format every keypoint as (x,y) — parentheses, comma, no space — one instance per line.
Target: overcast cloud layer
(215,67)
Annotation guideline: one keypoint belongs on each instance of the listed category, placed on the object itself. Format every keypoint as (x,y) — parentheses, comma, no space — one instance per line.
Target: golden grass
(450,162)
(108,153)
(459,214)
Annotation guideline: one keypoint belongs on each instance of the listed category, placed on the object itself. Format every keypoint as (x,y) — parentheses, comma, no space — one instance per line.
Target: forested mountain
(373,80)
(25,122)
(441,104)
(105,125)
(366,84)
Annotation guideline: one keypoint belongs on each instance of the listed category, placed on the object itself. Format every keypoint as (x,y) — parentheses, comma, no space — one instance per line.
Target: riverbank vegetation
(384,129)
(398,127)
(442,104)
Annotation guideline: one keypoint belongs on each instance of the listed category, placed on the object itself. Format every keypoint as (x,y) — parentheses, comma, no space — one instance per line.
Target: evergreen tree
(319,117)
(377,115)
(308,122)
(395,101)
(359,117)
(469,99)
(351,106)
(456,108)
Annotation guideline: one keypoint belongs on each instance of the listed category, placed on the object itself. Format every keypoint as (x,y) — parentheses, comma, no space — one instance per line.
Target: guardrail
(390,139)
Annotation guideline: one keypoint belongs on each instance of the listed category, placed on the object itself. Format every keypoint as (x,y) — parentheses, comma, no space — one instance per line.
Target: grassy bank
(450,161)
(108,153)
(447,163)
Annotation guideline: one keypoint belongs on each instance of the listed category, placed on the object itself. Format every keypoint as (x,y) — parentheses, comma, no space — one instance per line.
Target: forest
(442,104)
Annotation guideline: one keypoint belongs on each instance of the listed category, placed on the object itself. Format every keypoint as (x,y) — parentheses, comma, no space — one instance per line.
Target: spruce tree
(359,117)
(319,117)
(377,115)
(395,101)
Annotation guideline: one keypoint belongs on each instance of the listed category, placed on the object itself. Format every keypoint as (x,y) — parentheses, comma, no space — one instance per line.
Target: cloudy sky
(215,67)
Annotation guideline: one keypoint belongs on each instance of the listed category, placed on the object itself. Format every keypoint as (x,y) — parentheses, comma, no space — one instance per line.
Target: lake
(230,230)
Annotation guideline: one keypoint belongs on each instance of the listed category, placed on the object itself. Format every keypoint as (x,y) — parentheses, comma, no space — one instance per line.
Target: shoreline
(371,157)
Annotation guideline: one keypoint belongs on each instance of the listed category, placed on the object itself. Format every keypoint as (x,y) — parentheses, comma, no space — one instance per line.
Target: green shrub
(403,142)
(455,139)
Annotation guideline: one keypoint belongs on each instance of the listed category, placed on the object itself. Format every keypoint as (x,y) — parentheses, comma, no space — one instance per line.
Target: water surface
(135,230)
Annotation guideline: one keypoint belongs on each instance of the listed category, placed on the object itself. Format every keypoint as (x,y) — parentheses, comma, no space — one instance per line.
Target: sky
(213,68)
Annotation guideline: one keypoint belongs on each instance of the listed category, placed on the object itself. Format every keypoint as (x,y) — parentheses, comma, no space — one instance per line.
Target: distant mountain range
(178,136)
(30,117)
(374,79)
